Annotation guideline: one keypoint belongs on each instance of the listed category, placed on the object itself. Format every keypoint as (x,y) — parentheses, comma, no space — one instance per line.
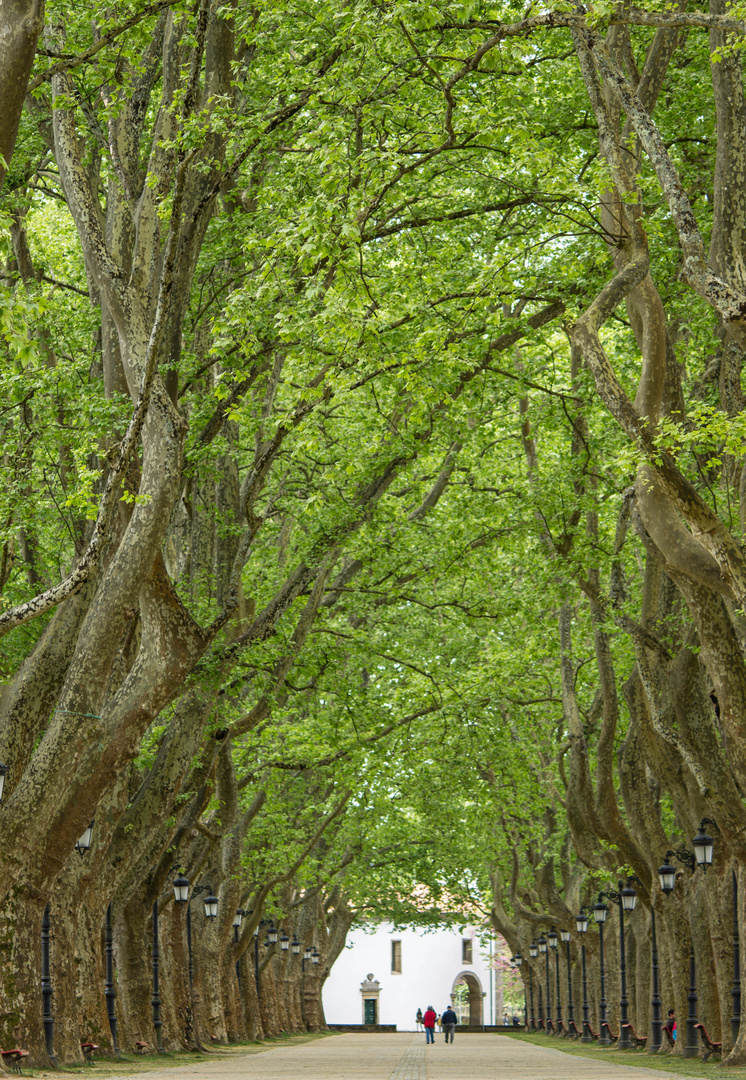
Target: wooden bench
(14,1058)
(89,1050)
(710,1047)
(593,1034)
(142,1048)
(573,1031)
(550,1028)
(669,1036)
(561,1029)
(540,1025)
(614,1038)
(638,1040)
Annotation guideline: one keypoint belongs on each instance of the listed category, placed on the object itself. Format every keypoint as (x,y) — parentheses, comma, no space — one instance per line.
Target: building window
(396,957)
(466,951)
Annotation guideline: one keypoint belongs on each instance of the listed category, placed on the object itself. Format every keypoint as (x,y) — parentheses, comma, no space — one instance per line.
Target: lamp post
(553,944)
(625,899)
(548,1010)
(691,1047)
(533,951)
(600,911)
(109,989)
(46,989)
(735,1022)
(581,924)
(237,920)
(657,1021)
(3,774)
(703,846)
(155,1001)
(517,960)
(565,935)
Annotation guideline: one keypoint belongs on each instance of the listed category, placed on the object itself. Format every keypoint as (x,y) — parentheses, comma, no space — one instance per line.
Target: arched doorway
(467,999)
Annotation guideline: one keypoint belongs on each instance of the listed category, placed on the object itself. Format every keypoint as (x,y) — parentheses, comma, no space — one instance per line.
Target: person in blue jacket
(449,1021)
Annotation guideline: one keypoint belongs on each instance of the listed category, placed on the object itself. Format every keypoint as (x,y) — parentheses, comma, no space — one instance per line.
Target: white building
(383,976)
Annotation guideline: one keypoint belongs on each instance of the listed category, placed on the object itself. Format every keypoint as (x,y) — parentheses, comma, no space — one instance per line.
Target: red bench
(710,1046)
(88,1049)
(550,1027)
(561,1029)
(540,1024)
(142,1048)
(669,1036)
(14,1058)
(638,1040)
(573,1030)
(609,1032)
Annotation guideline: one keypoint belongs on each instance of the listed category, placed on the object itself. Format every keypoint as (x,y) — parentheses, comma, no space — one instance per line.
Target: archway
(467,999)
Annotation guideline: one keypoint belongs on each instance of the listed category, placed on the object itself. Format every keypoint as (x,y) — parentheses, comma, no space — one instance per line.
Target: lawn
(665,1061)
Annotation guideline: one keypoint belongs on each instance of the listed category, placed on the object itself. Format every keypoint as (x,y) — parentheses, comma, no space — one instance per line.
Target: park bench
(593,1034)
(88,1049)
(142,1048)
(669,1037)
(540,1025)
(550,1028)
(710,1047)
(638,1040)
(614,1038)
(573,1030)
(14,1058)
(561,1029)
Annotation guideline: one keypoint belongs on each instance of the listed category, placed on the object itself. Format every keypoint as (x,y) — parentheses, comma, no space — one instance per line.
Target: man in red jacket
(428,1022)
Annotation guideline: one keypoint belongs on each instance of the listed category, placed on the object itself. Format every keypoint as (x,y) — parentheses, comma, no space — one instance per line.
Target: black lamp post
(735,1022)
(691,1047)
(703,846)
(295,945)
(533,951)
(109,988)
(600,911)
(284,942)
(657,1021)
(46,989)
(553,940)
(155,1001)
(517,960)
(548,1010)
(565,935)
(3,774)
(581,924)
(625,899)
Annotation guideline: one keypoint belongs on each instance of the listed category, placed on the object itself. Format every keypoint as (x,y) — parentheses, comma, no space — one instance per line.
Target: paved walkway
(405,1057)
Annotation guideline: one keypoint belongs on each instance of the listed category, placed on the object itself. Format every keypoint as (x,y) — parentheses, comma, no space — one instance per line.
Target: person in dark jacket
(428,1022)
(449,1021)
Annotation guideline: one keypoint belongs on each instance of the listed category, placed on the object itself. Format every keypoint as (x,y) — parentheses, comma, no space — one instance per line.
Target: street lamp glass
(3,774)
(667,877)
(272,935)
(295,946)
(581,922)
(542,944)
(307,953)
(284,942)
(211,906)
(552,938)
(84,843)
(702,844)
(238,917)
(565,935)
(315,956)
(181,889)
(533,951)
(629,898)
(518,959)
(600,911)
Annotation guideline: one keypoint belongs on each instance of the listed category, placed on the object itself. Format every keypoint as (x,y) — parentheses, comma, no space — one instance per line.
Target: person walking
(419,1019)
(428,1022)
(449,1021)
